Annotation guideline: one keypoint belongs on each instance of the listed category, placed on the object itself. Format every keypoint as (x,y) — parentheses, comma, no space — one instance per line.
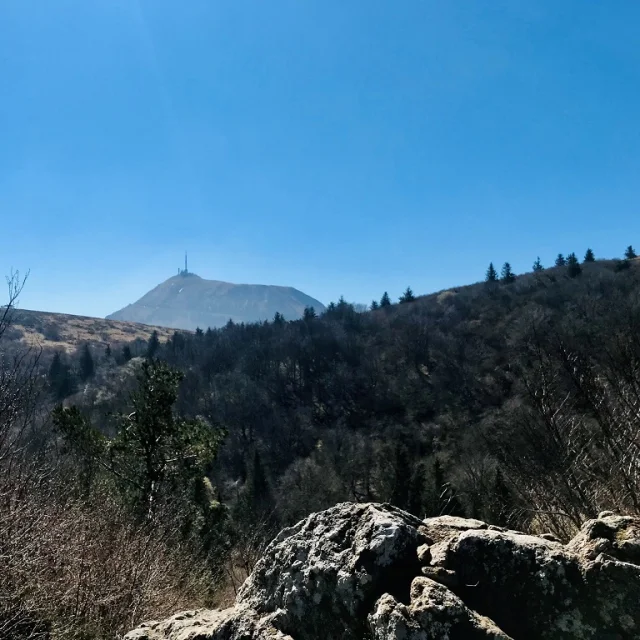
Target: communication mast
(186,267)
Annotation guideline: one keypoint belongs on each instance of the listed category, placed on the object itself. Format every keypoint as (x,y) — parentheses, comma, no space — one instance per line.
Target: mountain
(187,301)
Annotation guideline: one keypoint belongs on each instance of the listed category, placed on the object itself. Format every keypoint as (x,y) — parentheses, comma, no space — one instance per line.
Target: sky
(343,148)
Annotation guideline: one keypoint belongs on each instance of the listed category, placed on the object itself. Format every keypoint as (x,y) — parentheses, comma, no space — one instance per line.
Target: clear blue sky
(338,147)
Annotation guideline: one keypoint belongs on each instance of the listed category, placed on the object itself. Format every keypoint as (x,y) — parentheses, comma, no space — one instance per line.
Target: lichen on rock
(374,571)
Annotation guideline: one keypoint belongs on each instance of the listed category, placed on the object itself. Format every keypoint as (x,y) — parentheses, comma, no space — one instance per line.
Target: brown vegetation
(60,331)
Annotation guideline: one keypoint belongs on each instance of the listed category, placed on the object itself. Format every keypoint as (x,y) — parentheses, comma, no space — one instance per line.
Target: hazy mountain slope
(189,301)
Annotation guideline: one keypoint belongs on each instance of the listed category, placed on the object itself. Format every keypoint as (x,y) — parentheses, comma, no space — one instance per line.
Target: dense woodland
(146,477)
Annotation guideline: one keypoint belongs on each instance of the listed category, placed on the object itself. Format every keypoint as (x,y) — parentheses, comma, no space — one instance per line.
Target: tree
(492,274)
(573,266)
(126,353)
(258,489)
(278,319)
(154,345)
(309,314)
(374,305)
(385,301)
(87,367)
(560,261)
(629,253)
(61,380)
(589,256)
(507,275)
(154,452)
(107,351)
(407,296)
(537,265)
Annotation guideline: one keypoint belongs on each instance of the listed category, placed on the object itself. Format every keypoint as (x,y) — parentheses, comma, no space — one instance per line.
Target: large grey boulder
(325,574)
(373,571)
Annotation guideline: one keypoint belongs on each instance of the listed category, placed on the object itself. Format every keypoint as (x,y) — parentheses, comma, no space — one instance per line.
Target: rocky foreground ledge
(372,571)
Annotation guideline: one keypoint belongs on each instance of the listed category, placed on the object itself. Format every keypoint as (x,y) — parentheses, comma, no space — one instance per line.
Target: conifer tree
(126,353)
(258,489)
(155,451)
(589,256)
(154,345)
(374,305)
(560,261)
(61,379)
(492,274)
(537,265)
(309,313)
(385,301)
(407,296)
(507,274)
(278,319)
(573,266)
(630,254)
(87,367)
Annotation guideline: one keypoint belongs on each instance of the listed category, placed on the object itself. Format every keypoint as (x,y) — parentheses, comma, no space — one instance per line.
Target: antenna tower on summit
(186,268)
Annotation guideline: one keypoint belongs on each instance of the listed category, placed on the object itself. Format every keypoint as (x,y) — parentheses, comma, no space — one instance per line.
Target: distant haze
(188,301)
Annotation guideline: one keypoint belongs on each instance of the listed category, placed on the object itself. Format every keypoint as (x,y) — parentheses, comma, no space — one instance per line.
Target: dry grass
(76,570)
(61,331)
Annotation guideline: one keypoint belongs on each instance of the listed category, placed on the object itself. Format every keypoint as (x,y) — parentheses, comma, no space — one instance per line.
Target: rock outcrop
(373,571)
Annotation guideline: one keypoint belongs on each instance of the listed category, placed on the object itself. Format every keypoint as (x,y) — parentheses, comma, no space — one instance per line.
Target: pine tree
(154,345)
(278,319)
(589,256)
(374,305)
(126,353)
(385,301)
(630,254)
(560,261)
(407,296)
(61,381)
(155,450)
(87,367)
(55,371)
(258,489)
(492,274)
(309,314)
(537,265)
(507,275)
(573,266)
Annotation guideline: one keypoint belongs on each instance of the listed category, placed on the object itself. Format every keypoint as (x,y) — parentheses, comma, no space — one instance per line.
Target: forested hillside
(516,400)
